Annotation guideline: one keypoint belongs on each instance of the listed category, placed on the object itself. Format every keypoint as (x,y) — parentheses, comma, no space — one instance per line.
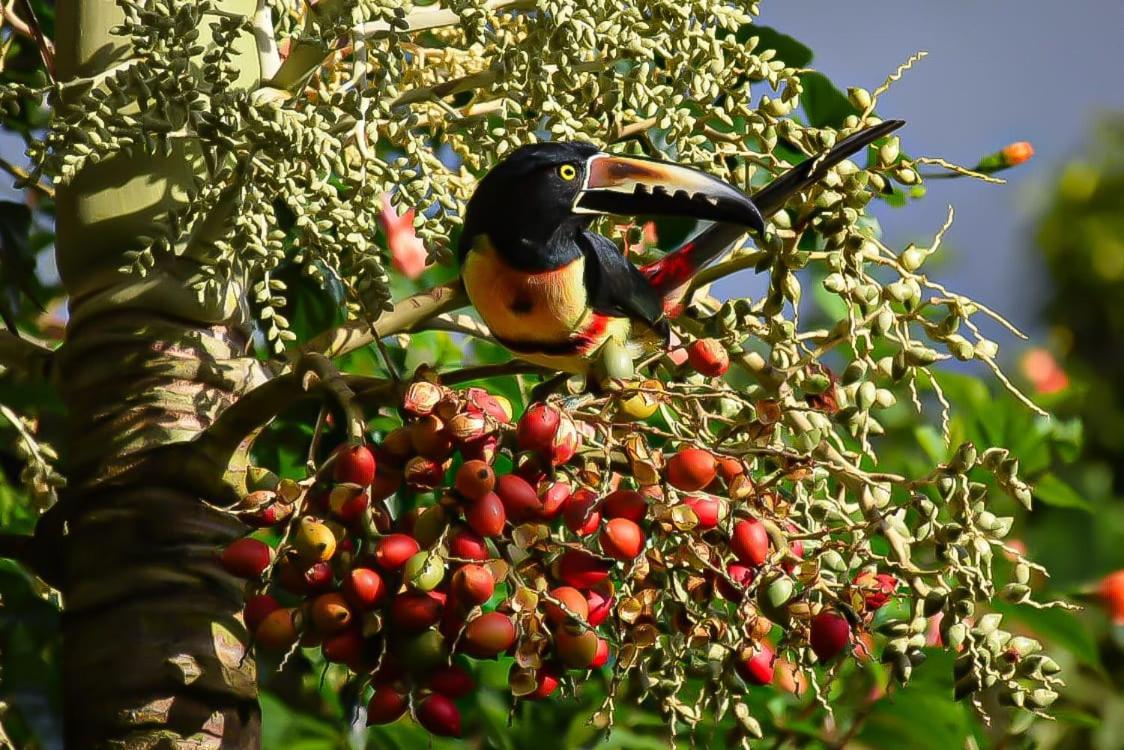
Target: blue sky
(997,71)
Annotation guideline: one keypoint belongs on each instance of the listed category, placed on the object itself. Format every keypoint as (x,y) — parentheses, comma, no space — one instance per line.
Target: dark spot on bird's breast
(522,304)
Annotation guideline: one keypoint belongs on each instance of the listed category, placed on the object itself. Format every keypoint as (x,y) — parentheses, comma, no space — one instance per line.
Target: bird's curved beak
(632,186)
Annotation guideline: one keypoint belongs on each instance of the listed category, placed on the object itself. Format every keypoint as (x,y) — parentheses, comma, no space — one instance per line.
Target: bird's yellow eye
(567,172)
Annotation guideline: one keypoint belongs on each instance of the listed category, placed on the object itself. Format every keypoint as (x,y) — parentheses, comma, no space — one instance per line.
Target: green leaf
(922,715)
(825,105)
(1053,491)
(794,54)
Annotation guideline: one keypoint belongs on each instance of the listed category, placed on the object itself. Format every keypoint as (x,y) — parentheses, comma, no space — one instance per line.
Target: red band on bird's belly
(590,337)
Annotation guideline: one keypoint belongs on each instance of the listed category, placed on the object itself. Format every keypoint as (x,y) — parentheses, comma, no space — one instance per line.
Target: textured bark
(154,654)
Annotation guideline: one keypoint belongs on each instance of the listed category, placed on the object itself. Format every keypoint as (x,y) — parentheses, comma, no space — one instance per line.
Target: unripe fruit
(344,648)
(354,464)
(330,613)
(393,550)
(600,603)
(573,599)
(637,406)
(488,635)
(277,632)
(256,610)
(486,514)
(554,499)
(314,541)
(474,479)
(247,558)
(628,504)
(439,715)
(691,469)
(452,680)
(708,357)
(363,588)
(622,539)
(579,513)
(710,510)
(466,544)
(430,438)
(877,588)
(429,523)
(424,571)
(473,584)
(601,656)
(830,635)
(410,611)
(576,647)
(756,664)
(536,428)
(424,652)
(519,498)
(750,542)
(581,569)
(386,705)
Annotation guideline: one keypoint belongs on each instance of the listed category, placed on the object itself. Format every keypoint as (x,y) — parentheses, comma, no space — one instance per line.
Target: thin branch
(22,176)
(407,315)
(482,372)
(459,323)
(32,30)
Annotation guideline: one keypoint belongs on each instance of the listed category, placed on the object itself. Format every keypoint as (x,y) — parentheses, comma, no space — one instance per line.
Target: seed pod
(708,509)
(536,428)
(424,571)
(600,601)
(423,472)
(422,397)
(580,512)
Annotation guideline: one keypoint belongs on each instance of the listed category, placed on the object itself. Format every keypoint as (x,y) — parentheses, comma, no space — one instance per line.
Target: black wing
(617,288)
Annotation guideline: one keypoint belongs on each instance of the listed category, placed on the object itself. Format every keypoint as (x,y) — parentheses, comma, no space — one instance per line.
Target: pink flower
(407,252)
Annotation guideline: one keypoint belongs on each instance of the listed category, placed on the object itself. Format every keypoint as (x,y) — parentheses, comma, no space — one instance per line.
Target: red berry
(256,609)
(1111,593)
(486,514)
(431,438)
(546,682)
(566,442)
(581,569)
(877,588)
(691,469)
(601,657)
(473,584)
(519,498)
(600,601)
(710,510)
(750,542)
(247,558)
(488,635)
(439,715)
(347,504)
(343,648)
(554,499)
(729,467)
(467,545)
(742,576)
(386,705)
(574,601)
(415,611)
(622,539)
(830,635)
(330,613)
(363,588)
(708,357)
(393,550)
(628,504)
(537,427)
(474,479)
(354,464)
(580,514)
(756,664)
(452,680)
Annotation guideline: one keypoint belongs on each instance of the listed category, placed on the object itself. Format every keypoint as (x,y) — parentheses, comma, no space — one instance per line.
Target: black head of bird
(532,204)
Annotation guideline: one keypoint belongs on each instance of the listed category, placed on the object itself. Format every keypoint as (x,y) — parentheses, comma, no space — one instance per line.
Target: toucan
(560,295)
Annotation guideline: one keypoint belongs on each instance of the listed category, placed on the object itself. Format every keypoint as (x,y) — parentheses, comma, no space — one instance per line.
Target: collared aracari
(559,295)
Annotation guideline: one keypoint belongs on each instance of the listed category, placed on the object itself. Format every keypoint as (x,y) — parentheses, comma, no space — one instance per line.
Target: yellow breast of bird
(547,306)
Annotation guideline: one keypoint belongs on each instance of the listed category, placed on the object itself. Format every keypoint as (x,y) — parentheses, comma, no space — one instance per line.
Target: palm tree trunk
(153,652)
